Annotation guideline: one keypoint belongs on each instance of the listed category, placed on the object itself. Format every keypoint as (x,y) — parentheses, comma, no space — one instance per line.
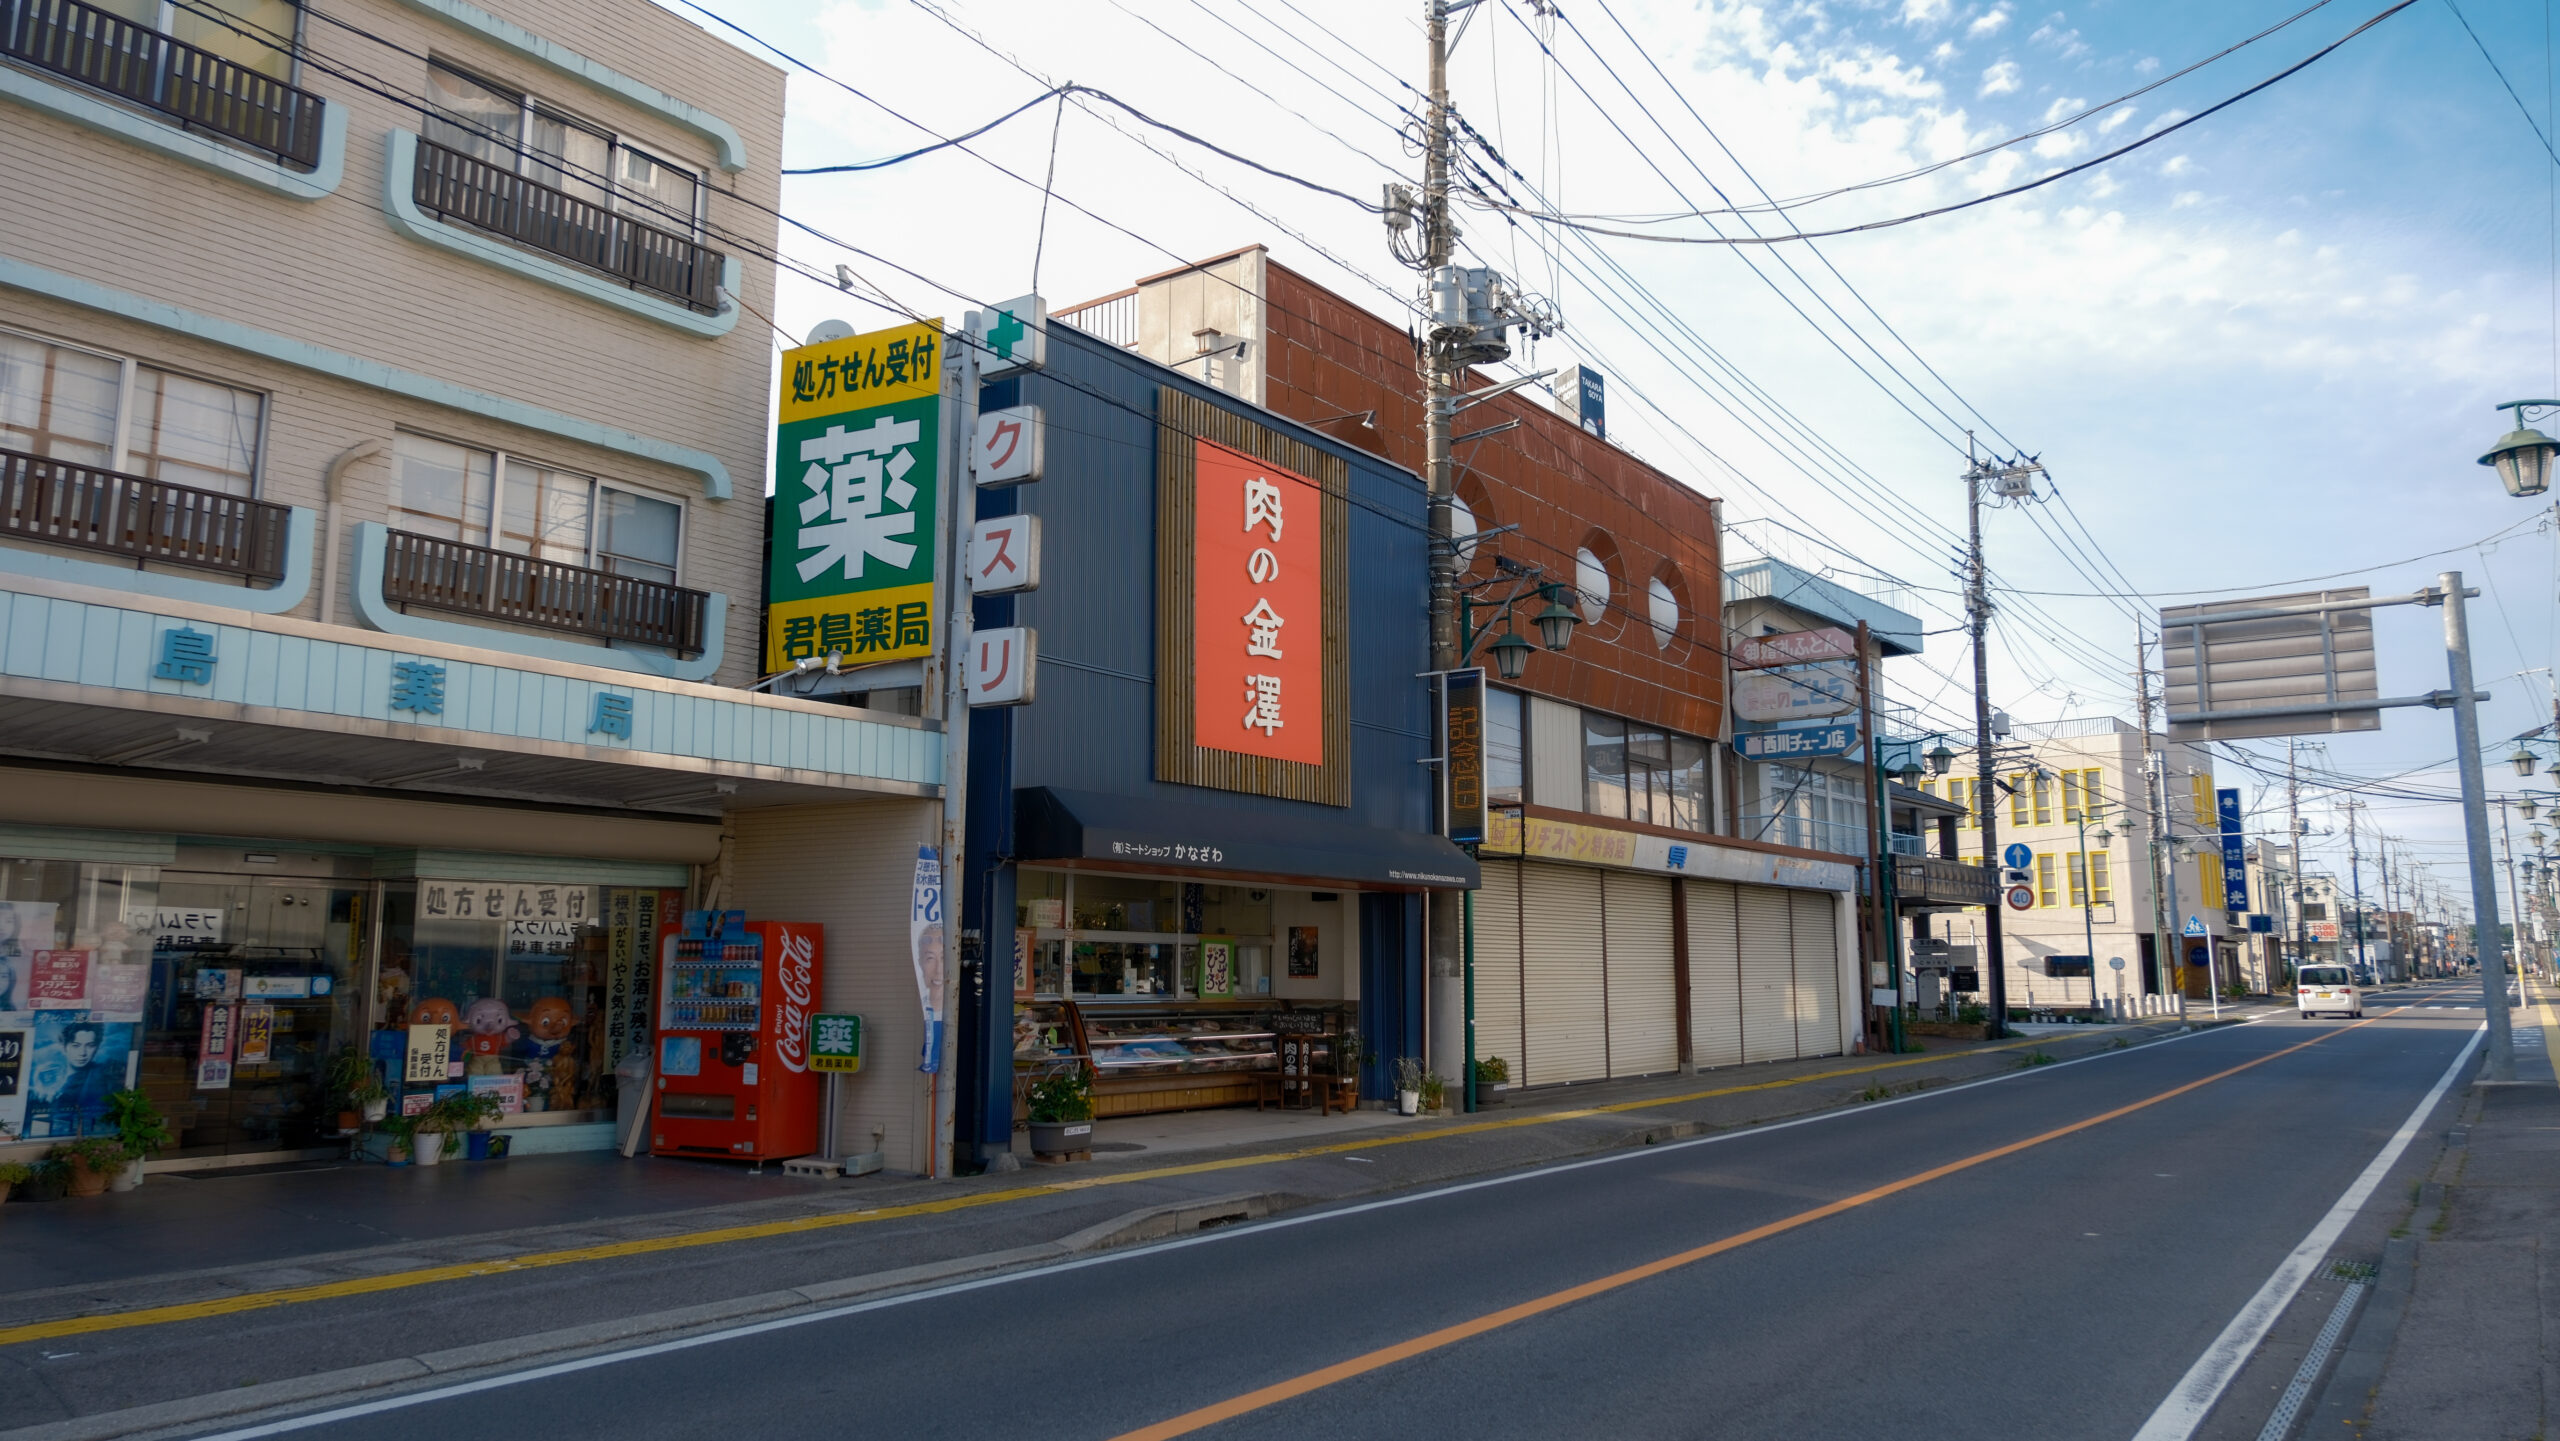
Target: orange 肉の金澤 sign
(1257,609)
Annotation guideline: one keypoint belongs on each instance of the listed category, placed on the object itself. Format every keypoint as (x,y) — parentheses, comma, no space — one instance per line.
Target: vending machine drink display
(734,1001)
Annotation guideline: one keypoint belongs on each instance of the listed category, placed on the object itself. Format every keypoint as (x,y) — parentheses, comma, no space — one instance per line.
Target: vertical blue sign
(2235,855)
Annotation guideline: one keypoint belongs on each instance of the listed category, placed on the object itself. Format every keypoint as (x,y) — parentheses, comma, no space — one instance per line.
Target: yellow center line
(1385,1356)
(804,1225)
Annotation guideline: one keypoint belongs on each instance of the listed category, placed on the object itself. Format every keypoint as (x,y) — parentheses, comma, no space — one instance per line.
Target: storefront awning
(1062,825)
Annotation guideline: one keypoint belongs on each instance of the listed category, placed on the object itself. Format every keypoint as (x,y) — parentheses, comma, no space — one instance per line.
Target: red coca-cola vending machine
(734,1000)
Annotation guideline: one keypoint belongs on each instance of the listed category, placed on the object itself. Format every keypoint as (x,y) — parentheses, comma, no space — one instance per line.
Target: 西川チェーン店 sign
(857,481)
(1257,608)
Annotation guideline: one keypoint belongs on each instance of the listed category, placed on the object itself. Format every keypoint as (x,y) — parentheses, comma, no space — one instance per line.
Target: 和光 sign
(857,481)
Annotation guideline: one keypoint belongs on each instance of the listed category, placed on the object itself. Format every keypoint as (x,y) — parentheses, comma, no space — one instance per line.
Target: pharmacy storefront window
(73,987)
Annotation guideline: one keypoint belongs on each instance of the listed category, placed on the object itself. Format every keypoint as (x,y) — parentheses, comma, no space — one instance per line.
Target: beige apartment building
(2074,795)
(383,424)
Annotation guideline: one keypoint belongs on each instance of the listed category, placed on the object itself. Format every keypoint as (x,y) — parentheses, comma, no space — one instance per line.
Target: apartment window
(2046,894)
(2018,799)
(518,132)
(1814,809)
(483,497)
(1636,773)
(2083,794)
(256,34)
(2089,881)
(1505,747)
(90,407)
(2044,797)
(2315,910)
(1604,765)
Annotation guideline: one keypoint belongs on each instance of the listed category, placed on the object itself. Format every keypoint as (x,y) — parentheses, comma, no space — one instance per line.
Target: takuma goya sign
(1462,749)
(857,487)
(1258,609)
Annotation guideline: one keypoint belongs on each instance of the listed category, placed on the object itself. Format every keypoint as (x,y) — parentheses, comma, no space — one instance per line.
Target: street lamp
(1941,759)
(1556,622)
(1511,650)
(2525,807)
(1511,654)
(1909,774)
(2522,457)
(2522,760)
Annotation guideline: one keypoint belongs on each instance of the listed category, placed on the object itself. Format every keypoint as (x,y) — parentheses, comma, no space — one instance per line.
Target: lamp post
(2522,457)
(2089,892)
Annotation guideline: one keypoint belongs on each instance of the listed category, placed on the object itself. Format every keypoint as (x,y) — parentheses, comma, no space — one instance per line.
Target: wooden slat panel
(1715,975)
(1182,421)
(1644,1036)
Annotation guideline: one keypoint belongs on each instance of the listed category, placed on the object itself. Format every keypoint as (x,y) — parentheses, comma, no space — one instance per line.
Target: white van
(2328,988)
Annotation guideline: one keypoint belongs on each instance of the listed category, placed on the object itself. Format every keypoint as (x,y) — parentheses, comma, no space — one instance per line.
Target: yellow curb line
(723,1235)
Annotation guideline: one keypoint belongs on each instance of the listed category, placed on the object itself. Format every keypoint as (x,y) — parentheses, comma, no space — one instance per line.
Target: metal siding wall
(1768,973)
(1564,974)
(1498,965)
(1715,975)
(1815,1003)
(1644,1019)
(1094,727)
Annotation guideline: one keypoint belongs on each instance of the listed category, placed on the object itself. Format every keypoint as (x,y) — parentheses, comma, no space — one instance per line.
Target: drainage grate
(2280,1425)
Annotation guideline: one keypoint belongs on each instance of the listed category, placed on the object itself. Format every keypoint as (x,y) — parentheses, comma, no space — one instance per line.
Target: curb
(1151,1223)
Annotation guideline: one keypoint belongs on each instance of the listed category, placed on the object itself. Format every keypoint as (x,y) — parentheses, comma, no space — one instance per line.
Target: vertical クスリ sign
(857,486)
(1462,746)
(1257,608)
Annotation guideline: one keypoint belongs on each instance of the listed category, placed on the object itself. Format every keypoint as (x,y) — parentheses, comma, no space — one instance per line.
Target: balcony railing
(196,88)
(96,509)
(1937,880)
(419,570)
(469,191)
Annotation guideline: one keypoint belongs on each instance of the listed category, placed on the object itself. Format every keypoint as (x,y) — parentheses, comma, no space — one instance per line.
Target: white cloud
(1925,12)
(1988,22)
(2067,42)
(2186,199)
(2103,186)
(2109,125)
(2176,165)
(1945,52)
(2060,144)
(2163,120)
(2146,65)
(2063,105)
(2000,79)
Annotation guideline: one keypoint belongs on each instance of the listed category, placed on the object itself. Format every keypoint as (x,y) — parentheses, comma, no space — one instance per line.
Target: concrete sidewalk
(2468,1296)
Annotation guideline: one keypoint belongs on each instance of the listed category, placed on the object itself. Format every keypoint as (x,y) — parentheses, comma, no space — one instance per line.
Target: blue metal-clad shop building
(1172,899)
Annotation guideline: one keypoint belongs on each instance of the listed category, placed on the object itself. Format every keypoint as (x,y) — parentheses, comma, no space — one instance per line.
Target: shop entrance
(256,981)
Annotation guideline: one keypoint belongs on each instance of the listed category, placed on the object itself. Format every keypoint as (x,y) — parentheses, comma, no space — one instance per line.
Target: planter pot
(88,1181)
(128,1176)
(1408,1103)
(429,1147)
(475,1146)
(375,1110)
(1061,1138)
(1492,1094)
(348,1121)
(397,1156)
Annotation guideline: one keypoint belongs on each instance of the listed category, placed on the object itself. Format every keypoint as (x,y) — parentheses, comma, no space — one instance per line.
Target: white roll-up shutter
(1644,1009)
(1816,1004)
(1498,964)
(1768,973)
(1564,986)
(1715,979)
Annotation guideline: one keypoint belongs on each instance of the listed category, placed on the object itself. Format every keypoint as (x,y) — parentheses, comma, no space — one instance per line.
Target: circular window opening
(1663,609)
(1591,584)
(1462,529)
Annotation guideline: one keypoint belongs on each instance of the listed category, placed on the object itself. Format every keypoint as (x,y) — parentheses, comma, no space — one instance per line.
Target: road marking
(1386,1356)
(1220,1236)
(2195,1394)
(769,1230)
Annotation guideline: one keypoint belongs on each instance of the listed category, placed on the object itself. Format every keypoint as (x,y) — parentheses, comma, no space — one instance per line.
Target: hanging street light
(2106,837)
(2522,457)
(1556,622)
(1511,653)
(1941,759)
(1909,774)
(2525,807)
(2522,760)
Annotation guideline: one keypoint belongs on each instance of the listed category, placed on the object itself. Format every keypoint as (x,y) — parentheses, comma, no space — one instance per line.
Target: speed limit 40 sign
(2022,898)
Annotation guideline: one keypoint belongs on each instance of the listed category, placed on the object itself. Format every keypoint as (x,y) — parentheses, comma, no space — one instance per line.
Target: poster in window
(1024,941)
(1302,953)
(214,1041)
(75,1062)
(430,1055)
(58,980)
(25,927)
(13,1071)
(257,1033)
(1217,966)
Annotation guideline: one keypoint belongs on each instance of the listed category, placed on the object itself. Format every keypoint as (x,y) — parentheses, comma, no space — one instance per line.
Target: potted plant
(451,1116)
(1346,1066)
(92,1162)
(14,1174)
(358,1087)
(400,1140)
(139,1126)
(1062,1114)
(1493,1080)
(1408,1085)
(1435,1091)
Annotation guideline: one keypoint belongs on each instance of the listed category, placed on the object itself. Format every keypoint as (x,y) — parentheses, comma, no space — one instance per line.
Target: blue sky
(2262,349)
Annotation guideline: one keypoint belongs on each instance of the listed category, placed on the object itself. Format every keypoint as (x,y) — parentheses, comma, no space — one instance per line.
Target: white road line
(2195,1394)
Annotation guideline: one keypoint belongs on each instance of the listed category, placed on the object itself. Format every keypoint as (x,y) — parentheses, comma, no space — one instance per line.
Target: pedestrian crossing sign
(2195,925)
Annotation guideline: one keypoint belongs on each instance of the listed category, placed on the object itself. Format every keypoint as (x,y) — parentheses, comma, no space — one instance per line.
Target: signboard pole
(954,598)
(2475,829)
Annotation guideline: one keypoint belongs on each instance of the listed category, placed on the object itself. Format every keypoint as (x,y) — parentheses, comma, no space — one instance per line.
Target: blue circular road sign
(2017,857)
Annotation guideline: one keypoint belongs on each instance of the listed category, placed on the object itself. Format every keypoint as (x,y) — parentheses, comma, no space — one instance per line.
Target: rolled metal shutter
(1644,1008)
(1715,975)
(1564,1016)
(1498,964)
(1767,929)
(1816,1003)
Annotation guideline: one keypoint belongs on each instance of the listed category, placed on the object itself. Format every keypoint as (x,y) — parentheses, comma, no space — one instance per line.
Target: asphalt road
(2058,1290)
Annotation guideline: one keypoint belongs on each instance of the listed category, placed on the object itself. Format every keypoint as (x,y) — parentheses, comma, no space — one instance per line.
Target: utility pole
(1441,374)
(2475,826)
(2355,878)
(1977,605)
(2150,804)
(2293,814)
(2515,902)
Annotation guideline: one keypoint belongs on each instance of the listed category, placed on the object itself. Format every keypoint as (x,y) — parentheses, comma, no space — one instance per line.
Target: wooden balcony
(145,520)
(197,89)
(464,190)
(1938,881)
(474,580)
